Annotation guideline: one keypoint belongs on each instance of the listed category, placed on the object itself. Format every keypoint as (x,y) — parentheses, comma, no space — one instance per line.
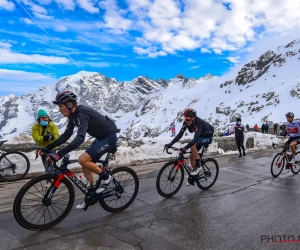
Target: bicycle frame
(181,162)
(65,172)
(285,152)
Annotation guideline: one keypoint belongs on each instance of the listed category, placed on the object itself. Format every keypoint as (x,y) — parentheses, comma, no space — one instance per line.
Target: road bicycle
(14,165)
(282,159)
(39,207)
(170,178)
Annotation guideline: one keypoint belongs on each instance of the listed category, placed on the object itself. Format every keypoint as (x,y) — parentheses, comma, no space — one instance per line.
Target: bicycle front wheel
(35,209)
(121,191)
(296,168)
(277,165)
(13,166)
(169,179)
(208,174)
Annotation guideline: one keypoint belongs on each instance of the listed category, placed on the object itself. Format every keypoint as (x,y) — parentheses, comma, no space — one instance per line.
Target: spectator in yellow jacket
(44,132)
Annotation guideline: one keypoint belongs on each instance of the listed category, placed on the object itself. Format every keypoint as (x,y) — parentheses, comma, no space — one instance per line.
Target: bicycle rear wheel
(277,165)
(13,166)
(121,191)
(296,168)
(32,211)
(169,179)
(208,174)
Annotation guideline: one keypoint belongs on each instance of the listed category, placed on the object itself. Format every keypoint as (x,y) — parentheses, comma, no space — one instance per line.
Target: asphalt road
(245,209)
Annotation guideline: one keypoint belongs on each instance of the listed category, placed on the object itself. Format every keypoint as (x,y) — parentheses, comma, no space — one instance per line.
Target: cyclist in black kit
(88,121)
(239,130)
(203,137)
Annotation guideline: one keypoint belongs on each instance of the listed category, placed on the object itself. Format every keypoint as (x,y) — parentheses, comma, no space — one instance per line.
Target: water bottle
(83,181)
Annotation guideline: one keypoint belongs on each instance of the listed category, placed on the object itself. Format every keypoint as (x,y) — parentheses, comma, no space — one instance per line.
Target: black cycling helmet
(189,112)
(64,97)
(282,127)
(291,114)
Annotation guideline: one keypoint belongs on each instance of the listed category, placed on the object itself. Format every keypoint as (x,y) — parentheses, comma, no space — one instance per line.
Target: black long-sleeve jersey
(200,127)
(88,121)
(239,130)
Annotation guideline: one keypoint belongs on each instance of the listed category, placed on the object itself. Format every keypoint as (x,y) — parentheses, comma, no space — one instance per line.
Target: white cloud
(42,16)
(37,8)
(151,52)
(96,64)
(19,74)
(60,28)
(7,5)
(10,57)
(66,4)
(17,81)
(233,59)
(88,6)
(170,26)
(195,67)
(45,2)
(5,45)
(173,25)
(113,17)
(204,50)
(190,60)
(26,20)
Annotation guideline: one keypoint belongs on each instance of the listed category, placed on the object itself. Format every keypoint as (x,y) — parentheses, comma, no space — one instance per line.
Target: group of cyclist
(104,130)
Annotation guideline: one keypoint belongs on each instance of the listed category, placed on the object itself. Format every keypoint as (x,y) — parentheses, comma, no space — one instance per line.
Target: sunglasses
(188,119)
(289,117)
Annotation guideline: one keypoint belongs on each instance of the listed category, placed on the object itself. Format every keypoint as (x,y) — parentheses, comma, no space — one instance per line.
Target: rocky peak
(255,69)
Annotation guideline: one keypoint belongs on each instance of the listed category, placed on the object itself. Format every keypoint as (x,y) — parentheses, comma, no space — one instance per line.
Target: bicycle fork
(51,190)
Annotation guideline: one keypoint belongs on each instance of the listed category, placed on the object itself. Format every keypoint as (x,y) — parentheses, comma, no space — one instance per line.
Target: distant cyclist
(88,121)
(203,136)
(294,128)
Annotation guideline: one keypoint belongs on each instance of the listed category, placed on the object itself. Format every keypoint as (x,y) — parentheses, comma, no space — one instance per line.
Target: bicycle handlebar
(47,152)
(284,147)
(175,149)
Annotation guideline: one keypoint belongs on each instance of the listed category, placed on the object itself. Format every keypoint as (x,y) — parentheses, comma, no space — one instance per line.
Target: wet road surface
(245,209)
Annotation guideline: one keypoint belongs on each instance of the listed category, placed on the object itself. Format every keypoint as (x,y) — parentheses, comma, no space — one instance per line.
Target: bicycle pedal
(191,181)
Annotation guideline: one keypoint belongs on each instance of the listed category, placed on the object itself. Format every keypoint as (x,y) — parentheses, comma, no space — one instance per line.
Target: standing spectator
(247,127)
(239,130)
(263,127)
(267,128)
(275,128)
(44,132)
(255,128)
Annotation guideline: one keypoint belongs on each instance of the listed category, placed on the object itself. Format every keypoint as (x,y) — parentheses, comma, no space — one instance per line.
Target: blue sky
(43,40)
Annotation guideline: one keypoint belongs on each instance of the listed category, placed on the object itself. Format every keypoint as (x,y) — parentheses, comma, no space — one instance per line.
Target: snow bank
(152,151)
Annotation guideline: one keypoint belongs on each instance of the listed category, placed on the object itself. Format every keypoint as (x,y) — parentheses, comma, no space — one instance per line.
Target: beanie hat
(42,113)
(238,119)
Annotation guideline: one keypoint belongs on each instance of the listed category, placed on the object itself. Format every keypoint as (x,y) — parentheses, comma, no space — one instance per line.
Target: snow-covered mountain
(262,90)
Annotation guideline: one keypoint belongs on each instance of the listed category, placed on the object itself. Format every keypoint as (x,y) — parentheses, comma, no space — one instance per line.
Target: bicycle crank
(91,198)
(191,180)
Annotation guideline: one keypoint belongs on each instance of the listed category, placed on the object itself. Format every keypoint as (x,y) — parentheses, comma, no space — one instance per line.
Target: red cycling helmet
(189,112)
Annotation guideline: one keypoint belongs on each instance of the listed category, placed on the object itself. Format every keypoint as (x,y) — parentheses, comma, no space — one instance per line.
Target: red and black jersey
(200,127)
